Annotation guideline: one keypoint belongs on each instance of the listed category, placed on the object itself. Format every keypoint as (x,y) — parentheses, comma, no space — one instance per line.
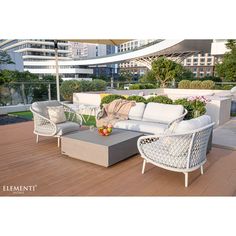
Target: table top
(117,136)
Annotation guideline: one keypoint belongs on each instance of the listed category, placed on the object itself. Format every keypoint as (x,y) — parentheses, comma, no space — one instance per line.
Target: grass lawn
(28,115)
(23,114)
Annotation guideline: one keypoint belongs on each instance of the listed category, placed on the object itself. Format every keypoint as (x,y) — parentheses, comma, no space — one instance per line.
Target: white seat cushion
(67,127)
(141,126)
(136,112)
(163,113)
(193,124)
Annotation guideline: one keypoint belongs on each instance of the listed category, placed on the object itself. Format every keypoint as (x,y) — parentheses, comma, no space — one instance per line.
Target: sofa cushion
(141,126)
(136,112)
(163,113)
(193,124)
(56,114)
(67,127)
(41,107)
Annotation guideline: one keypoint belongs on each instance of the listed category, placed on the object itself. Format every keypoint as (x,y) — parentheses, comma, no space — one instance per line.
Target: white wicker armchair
(183,152)
(43,126)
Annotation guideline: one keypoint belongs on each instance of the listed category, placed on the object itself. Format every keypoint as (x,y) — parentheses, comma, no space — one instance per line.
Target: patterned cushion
(56,114)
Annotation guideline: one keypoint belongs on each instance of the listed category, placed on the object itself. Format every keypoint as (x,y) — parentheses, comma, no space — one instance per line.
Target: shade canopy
(101,41)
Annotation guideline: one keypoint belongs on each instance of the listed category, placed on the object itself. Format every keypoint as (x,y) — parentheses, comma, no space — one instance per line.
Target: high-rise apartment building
(200,64)
(25,52)
(88,51)
(203,65)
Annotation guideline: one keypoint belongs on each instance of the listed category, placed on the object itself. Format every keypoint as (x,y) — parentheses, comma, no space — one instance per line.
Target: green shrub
(85,85)
(142,86)
(149,86)
(136,98)
(69,87)
(187,105)
(98,85)
(191,107)
(224,87)
(208,84)
(160,99)
(184,84)
(109,98)
(196,84)
(134,86)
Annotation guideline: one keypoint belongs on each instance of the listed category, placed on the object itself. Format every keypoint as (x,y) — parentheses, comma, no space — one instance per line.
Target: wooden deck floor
(25,163)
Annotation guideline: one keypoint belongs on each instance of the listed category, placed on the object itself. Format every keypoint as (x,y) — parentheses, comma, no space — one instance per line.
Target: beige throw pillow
(56,114)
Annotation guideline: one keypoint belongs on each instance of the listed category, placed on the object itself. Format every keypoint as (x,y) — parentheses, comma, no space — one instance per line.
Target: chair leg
(186,179)
(143,168)
(37,138)
(58,141)
(202,170)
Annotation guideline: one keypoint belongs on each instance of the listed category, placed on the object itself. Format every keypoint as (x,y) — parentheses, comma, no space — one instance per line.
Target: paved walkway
(225,136)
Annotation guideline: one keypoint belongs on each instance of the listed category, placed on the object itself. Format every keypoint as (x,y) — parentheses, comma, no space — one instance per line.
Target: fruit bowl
(105,130)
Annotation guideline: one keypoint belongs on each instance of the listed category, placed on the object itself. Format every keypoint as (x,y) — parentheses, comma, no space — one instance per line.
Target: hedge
(142,86)
(208,84)
(160,99)
(196,84)
(184,84)
(69,87)
(137,98)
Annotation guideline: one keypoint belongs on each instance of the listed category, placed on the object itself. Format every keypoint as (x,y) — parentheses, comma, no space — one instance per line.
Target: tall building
(88,51)
(133,67)
(203,65)
(200,64)
(25,52)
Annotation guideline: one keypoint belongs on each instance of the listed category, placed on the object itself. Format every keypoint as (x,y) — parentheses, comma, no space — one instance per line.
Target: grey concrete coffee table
(101,150)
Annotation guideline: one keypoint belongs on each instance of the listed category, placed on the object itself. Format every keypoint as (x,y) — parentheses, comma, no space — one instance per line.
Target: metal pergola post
(57,70)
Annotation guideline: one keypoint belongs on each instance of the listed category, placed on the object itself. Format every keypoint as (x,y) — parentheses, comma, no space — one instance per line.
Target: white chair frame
(156,151)
(45,127)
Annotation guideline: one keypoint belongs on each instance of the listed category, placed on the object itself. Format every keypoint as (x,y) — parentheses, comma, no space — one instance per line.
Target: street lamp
(57,70)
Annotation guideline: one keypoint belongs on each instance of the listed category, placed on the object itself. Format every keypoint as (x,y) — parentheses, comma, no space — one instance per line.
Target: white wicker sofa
(43,126)
(153,118)
(182,149)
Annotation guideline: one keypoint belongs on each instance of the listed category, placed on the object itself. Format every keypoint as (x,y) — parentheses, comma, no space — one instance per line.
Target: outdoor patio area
(23,162)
